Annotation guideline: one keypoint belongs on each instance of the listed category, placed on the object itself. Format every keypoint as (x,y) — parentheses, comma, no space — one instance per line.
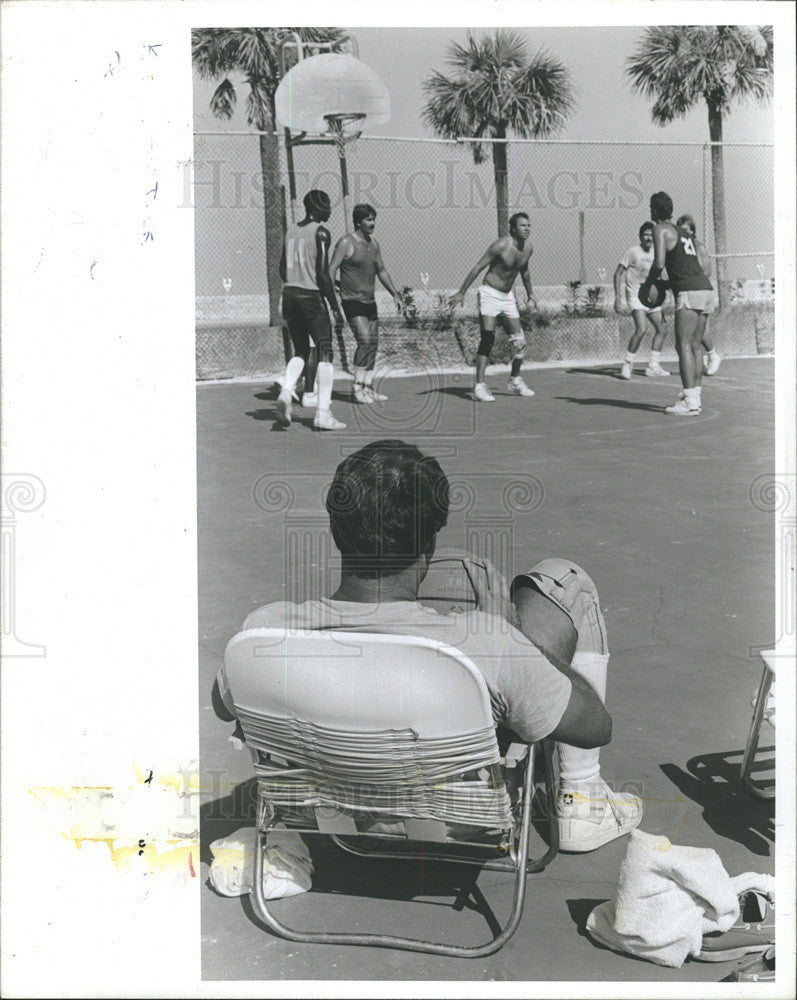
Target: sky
(425,228)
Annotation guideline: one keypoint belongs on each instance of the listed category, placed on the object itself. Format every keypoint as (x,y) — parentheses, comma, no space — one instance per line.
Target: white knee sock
(368,378)
(292,372)
(360,375)
(324,379)
(580,768)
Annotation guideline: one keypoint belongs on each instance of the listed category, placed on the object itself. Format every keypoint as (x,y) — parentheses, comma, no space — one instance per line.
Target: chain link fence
(436,216)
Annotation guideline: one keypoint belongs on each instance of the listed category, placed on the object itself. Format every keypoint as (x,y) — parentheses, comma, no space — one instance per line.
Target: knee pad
(518,342)
(570,588)
(486,343)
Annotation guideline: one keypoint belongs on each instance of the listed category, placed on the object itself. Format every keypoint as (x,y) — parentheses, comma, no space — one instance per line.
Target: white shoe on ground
(482,393)
(683,408)
(586,822)
(654,370)
(284,410)
(519,388)
(324,421)
(376,397)
(626,369)
(711,363)
(360,394)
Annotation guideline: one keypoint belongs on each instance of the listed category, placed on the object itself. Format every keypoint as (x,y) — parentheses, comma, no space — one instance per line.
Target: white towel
(287,867)
(668,897)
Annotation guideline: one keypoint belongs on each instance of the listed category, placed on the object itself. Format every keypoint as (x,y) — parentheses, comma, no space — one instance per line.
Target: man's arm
(703,258)
(659,261)
(525,277)
(486,258)
(343,250)
(385,278)
(322,241)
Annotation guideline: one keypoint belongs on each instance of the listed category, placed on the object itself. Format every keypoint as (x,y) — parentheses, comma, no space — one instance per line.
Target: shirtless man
(359,258)
(694,295)
(504,259)
(711,362)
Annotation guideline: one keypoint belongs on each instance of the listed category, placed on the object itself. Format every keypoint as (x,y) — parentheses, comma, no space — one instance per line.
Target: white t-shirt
(637,263)
(527,693)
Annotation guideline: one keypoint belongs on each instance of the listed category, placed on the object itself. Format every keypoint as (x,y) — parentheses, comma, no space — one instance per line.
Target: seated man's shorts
(700,300)
(495,303)
(634,303)
(354,307)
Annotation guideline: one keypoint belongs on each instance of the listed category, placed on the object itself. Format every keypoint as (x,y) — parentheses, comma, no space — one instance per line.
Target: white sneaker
(683,409)
(284,410)
(654,370)
(376,397)
(310,399)
(359,393)
(589,821)
(324,421)
(626,370)
(711,363)
(482,393)
(519,388)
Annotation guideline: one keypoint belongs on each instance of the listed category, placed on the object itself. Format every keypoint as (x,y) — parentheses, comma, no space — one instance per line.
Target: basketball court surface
(667,515)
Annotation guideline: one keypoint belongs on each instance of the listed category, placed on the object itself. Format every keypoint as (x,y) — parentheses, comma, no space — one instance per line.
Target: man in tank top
(305,271)
(694,294)
(359,259)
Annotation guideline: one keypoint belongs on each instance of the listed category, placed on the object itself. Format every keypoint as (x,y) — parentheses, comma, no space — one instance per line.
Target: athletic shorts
(354,307)
(495,303)
(306,315)
(634,303)
(700,300)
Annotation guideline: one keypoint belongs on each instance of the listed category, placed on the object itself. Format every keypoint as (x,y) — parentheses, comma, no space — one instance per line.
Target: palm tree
(255,52)
(497,88)
(681,66)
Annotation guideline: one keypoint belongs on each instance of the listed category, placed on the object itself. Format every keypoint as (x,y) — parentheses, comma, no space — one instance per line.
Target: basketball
(448,586)
(655,294)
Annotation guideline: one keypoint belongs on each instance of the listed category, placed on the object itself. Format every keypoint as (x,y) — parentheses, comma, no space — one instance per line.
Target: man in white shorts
(504,259)
(631,272)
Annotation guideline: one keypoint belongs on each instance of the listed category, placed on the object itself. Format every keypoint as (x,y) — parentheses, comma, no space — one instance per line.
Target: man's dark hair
(386,504)
(661,205)
(513,219)
(362,211)
(317,201)
(645,227)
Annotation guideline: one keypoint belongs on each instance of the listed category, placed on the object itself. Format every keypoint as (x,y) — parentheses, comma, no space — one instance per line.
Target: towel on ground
(668,897)
(287,867)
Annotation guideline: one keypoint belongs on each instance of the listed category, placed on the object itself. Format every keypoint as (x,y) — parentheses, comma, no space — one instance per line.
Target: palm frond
(224,98)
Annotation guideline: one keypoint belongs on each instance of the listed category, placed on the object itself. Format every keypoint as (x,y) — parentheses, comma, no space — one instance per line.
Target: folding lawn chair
(759,716)
(357,734)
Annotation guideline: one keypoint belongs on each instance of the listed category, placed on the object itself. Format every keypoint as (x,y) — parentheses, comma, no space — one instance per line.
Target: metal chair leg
(401,943)
(748,759)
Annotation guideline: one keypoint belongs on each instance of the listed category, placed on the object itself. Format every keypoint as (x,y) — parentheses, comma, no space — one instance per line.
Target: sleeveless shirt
(358,272)
(300,256)
(683,267)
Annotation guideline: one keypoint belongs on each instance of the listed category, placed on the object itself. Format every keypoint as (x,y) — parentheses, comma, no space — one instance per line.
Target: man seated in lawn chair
(543,651)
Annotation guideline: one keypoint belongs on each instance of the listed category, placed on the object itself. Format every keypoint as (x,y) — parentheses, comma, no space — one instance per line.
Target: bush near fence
(230,343)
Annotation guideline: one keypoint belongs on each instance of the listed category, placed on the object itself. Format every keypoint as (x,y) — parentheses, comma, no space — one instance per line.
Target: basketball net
(343,130)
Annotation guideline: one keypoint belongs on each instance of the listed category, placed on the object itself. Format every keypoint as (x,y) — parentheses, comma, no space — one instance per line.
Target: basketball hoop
(327,98)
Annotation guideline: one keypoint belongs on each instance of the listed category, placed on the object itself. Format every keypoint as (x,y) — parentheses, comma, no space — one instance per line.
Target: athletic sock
(368,377)
(692,396)
(359,375)
(516,365)
(629,357)
(324,379)
(579,769)
(655,357)
(293,370)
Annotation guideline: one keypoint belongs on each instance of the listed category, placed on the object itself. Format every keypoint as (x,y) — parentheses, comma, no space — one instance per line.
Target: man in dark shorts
(359,258)
(305,271)
(694,295)
(504,259)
